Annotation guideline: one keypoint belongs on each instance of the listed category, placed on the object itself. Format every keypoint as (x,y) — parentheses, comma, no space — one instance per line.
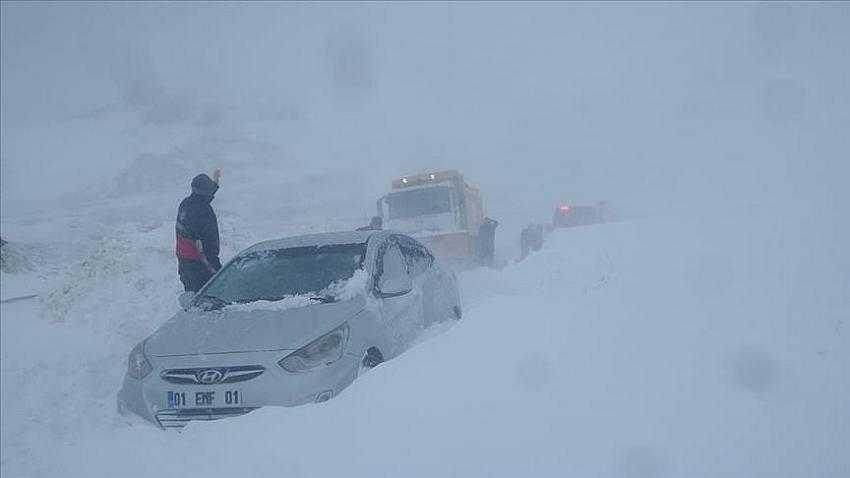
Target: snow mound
(153,173)
(580,261)
(350,288)
(643,348)
(19,278)
(13,260)
(122,287)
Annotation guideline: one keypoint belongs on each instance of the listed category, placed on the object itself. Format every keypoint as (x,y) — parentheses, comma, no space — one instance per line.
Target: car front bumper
(152,397)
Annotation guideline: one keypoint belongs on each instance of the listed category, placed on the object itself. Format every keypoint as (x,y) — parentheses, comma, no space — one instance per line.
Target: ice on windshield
(343,289)
(280,274)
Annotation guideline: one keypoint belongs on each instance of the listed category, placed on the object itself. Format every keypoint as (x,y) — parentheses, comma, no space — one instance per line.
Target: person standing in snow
(197,234)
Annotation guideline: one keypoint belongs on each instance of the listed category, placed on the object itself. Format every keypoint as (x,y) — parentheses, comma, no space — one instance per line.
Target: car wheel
(372,358)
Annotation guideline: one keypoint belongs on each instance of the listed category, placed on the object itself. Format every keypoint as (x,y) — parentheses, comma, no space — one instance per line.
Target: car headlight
(325,350)
(138,366)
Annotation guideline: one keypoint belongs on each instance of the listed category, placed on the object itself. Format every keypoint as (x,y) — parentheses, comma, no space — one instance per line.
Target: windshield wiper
(324,299)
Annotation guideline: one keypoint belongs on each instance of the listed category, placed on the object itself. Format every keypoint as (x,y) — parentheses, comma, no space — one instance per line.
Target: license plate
(204,398)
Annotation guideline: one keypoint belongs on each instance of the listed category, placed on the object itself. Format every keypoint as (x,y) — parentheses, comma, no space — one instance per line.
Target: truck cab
(440,209)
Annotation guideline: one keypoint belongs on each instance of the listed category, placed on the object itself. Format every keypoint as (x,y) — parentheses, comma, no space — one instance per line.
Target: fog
(651,104)
(719,130)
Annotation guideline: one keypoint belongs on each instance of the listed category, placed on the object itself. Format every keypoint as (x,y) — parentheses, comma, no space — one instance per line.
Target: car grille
(212,375)
(180,418)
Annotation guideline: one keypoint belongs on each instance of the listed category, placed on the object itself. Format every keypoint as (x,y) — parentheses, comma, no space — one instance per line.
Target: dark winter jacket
(197,225)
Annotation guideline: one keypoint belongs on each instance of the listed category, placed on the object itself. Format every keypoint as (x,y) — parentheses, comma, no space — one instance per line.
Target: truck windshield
(419,202)
(273,275)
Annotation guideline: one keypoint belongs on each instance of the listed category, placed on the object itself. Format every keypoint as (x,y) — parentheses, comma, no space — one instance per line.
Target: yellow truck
(444,212)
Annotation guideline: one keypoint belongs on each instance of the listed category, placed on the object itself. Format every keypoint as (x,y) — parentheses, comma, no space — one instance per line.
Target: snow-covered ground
(642,348)
(705,336)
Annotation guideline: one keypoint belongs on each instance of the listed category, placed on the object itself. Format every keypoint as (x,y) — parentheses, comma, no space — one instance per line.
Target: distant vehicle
(443,211)
(288,322)
(567,215)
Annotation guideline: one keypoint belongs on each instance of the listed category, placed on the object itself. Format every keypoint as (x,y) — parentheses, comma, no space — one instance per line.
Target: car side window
(416,256)
(392,263)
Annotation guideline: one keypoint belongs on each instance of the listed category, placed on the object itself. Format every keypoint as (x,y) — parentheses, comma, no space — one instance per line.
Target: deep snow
(628,349)
(705,336)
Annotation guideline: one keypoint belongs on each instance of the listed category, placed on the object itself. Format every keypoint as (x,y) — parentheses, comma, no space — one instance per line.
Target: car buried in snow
(288,322)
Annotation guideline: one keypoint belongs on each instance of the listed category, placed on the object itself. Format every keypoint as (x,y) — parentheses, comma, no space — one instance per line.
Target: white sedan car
(288,322)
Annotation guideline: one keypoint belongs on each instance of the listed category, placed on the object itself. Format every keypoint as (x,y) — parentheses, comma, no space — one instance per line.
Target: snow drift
(605,354)
(706,346)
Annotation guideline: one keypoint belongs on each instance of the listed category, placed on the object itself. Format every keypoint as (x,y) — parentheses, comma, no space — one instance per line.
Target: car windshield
(419,202)
(276,274)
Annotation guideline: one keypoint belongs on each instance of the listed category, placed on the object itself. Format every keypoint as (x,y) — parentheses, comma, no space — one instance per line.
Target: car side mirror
(185,299)
(394,286)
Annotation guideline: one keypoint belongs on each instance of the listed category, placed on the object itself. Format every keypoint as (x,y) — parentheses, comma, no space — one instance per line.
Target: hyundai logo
(209,377)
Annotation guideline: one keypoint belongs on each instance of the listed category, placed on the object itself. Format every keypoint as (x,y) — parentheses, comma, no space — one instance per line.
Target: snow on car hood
(207,332)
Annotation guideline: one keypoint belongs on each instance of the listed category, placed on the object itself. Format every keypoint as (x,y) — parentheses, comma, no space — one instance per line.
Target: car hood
(197,332)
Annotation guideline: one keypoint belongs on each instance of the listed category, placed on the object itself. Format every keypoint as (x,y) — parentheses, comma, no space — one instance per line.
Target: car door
(439,291)
(418,261)
(400,300)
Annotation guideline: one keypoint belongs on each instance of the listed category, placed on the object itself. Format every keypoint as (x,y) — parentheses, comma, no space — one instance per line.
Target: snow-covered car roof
(322,239)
